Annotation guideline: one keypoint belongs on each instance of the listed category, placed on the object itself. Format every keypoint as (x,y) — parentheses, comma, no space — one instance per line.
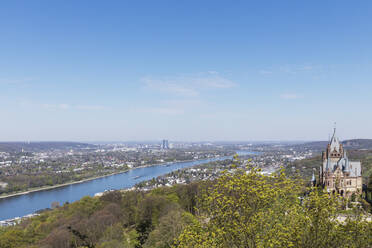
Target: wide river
(21,205)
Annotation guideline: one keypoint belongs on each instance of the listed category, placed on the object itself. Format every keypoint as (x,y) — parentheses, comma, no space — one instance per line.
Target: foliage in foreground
(239,209)
(253,210)
(120,220)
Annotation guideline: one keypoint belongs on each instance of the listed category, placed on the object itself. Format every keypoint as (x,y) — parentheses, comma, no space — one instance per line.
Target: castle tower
(338,173)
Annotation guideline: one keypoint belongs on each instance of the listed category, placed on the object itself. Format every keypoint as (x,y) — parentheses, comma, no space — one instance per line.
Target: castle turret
(338,173)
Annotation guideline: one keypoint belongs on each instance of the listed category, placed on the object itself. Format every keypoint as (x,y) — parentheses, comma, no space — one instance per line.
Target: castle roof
(354,168)
(335,142)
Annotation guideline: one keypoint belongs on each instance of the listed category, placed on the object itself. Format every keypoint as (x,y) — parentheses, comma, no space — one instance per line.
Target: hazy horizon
(172,141)
(195,70)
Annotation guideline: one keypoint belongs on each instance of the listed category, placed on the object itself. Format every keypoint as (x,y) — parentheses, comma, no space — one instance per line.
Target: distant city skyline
(188,71)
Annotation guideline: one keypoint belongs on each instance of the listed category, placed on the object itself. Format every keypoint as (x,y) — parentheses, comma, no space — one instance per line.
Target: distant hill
(358,144)
(41,146)
(354,144)
(316,145)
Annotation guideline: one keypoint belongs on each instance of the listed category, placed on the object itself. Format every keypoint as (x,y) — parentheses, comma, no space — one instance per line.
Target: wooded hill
(353,144)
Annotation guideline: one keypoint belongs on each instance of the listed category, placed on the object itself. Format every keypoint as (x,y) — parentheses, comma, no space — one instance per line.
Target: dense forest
(238,209)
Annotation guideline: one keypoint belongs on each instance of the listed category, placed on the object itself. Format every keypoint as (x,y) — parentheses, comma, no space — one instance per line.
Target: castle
(338,173)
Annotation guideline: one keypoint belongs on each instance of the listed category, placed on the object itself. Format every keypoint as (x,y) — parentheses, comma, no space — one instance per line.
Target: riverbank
(87,179)
(32,202)
(59,185)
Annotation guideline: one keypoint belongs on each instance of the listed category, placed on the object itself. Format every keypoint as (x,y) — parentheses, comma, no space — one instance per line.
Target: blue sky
(190,70)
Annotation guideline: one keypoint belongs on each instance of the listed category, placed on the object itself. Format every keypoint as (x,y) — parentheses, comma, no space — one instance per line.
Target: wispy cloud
(188,85)
(61,106)
(291,69)
(307,67)
(291,96)
(265,72)
(294,69)
(183,102)
(212,72)
(213,82)
(162,111)
(16,80)
(169,86)
(90,107)
(64,106)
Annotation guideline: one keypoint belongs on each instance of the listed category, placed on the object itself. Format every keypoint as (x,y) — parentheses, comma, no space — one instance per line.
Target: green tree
(13,238)
(252,210)
(169,228)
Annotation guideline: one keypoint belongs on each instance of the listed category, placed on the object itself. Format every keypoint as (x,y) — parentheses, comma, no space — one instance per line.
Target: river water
(18,206)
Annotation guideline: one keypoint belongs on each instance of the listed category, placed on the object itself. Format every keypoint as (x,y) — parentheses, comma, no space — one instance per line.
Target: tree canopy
(253,210)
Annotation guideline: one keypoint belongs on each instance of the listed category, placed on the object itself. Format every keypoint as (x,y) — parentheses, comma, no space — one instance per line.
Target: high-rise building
(338,173)
(165,144)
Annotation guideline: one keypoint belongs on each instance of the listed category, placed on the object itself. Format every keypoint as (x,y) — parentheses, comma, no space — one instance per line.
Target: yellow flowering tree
(249,209)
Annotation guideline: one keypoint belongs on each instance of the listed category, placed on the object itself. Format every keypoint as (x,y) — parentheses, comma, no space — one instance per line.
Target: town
(31,166)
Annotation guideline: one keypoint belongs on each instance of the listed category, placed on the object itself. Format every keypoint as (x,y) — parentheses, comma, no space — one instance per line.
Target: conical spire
(335,143)
(334,131)
(334,134)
